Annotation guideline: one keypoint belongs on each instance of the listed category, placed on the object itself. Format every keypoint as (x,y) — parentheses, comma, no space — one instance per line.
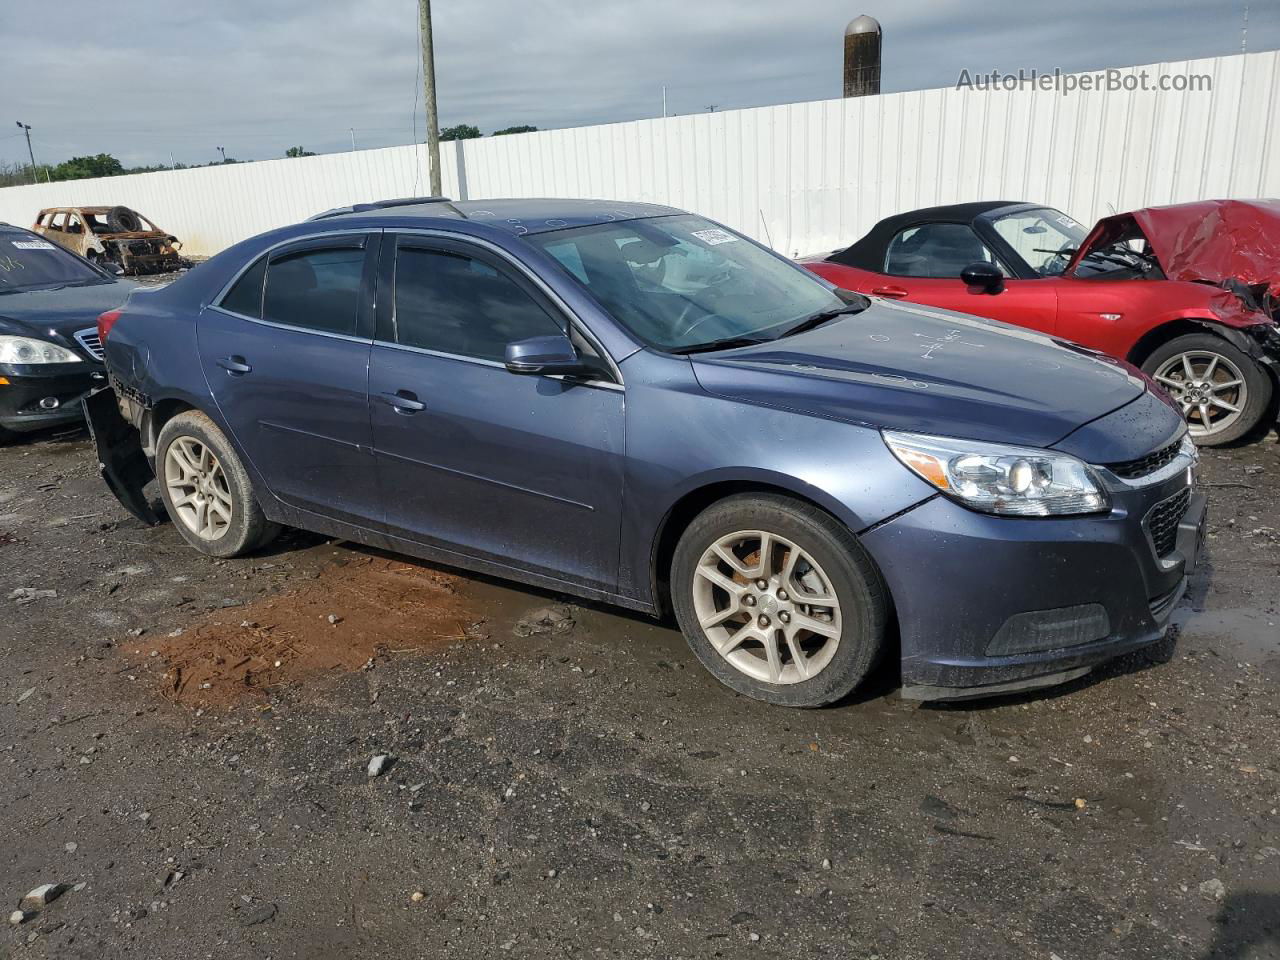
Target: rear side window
(315,289)
(245,297)
(457,304)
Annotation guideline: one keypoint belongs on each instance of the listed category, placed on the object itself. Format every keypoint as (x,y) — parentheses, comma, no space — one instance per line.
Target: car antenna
(765,224)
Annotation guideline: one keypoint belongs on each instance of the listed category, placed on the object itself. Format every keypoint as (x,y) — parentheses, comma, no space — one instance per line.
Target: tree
(463,131)
(298,152)
(81,168)
(524,128)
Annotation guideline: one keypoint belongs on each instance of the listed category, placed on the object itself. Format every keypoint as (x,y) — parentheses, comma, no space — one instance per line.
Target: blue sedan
(634,404)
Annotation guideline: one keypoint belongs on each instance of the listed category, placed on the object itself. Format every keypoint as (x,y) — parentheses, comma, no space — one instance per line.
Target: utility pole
(353,139)
(26,128)
(429,94)
(664,101)
(224,154)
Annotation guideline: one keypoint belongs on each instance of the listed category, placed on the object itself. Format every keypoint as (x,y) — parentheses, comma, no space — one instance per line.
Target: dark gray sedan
(635,404)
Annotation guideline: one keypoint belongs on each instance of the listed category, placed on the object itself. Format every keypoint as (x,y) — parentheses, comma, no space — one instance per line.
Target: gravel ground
(562,779)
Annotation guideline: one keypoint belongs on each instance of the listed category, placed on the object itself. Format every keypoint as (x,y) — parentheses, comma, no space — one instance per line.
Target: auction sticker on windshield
(714,236)
(32,245)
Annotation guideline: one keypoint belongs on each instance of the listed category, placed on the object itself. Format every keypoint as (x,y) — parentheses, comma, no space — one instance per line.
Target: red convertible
(1189,293)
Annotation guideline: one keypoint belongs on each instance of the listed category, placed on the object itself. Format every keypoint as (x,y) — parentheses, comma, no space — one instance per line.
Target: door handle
(403,401)
(235,366)
(893,293)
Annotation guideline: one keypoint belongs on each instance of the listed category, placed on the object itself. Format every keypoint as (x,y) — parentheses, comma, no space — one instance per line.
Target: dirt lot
(186,744)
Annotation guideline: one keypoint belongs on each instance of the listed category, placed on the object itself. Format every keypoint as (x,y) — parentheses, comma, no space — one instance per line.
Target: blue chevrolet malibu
(634,404)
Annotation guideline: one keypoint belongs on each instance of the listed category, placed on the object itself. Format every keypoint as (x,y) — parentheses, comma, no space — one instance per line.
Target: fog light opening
(50,403)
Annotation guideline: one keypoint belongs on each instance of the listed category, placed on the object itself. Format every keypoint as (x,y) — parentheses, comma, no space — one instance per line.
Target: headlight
(27,350)
(993,478)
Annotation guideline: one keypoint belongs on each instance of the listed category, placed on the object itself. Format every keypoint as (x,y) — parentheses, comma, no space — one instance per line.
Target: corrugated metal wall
(802,177)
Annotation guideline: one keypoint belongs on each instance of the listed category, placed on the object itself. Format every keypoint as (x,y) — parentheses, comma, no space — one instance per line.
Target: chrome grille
(1163,520)
(89,340)
(1134,469)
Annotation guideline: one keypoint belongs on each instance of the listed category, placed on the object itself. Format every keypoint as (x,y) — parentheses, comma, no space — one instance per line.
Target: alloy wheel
(767,607)
(198,488)
(1210,389)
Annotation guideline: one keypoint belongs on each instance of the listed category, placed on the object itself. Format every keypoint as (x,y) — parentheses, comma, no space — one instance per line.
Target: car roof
(76,209)
(868,252)
(519,216)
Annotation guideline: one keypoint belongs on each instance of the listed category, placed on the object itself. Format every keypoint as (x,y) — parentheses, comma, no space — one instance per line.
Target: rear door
(525,471)
(285,352)
(923,264)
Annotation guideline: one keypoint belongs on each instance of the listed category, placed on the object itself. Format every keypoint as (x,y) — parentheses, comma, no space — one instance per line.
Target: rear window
(29,262)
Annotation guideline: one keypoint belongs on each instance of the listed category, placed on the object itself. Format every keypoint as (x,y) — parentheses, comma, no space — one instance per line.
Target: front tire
(778,600)
(207,490)
(1223,392)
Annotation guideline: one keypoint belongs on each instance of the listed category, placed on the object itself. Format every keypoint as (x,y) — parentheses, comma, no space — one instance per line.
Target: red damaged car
(1190,293)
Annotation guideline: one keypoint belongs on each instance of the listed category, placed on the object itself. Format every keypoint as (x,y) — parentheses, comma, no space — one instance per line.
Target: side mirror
(984,275)
(545,355)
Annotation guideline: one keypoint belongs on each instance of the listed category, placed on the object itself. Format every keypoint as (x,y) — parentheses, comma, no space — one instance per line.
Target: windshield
(682,282)
(28,262)
(1046,239)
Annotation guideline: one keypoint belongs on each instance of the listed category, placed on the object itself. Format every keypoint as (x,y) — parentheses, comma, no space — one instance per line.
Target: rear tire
(816,627)
(207,490)
(1199,370)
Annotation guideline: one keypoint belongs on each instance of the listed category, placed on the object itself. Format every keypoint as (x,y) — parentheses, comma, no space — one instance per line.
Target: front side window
(318,289)
(457,304)
(30,262)
(681,282)
(939,250)
(1046,239)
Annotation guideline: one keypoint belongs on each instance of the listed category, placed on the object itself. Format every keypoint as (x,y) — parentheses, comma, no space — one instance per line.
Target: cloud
(145,81)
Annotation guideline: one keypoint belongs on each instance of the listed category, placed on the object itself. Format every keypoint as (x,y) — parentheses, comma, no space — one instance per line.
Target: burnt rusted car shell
(94,233)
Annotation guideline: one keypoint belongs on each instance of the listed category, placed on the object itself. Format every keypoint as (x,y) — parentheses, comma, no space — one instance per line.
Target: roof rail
(378,205)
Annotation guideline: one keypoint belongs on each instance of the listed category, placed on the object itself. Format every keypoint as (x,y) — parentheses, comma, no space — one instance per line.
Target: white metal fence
(803,177)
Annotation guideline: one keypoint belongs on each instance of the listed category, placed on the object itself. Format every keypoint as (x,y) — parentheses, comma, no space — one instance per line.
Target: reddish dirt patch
(381,607)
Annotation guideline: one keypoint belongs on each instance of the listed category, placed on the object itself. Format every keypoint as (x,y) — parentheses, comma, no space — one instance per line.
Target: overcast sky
(145,80)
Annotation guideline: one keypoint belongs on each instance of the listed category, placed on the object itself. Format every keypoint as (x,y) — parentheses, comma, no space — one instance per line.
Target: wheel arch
(160,413)
(1157,337)
(707,493)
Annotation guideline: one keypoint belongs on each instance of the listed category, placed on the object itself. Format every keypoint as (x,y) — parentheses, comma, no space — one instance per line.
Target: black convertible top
(868,253)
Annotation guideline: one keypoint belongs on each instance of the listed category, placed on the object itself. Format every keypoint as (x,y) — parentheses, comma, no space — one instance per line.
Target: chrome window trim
(481,361)
(575,321)
(290,327)
(217,298)
(490,247)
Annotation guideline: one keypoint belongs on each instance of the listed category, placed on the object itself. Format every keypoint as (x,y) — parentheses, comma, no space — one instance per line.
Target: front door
(923,264)
(525,471)
(286,356)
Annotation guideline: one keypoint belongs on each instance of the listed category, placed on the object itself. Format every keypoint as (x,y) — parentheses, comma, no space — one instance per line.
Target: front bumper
(992,605)
(46,395)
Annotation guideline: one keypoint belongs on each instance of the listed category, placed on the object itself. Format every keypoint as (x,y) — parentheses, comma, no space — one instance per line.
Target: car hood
(1213,241)
(60,311)
(905,367)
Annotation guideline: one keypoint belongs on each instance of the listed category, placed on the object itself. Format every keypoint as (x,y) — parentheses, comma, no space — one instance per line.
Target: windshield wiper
(825,316)
(726,344)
